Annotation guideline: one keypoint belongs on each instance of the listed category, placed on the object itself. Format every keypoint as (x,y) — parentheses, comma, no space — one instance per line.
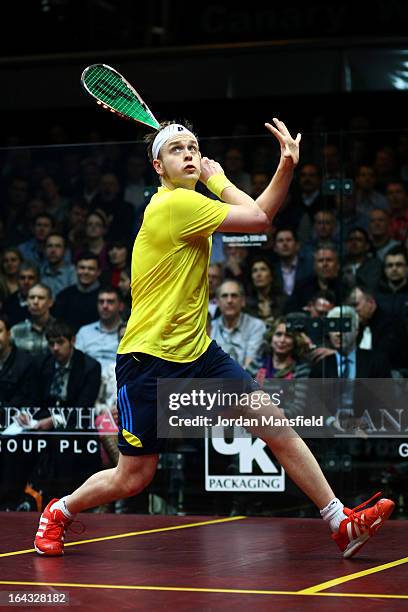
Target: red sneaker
(49,539)
(358,527)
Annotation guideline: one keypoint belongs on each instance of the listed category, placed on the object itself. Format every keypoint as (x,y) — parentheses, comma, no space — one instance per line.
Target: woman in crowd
(118,260)
(95,231)
(284,358)
(265,300)
(284,353)
(11,261)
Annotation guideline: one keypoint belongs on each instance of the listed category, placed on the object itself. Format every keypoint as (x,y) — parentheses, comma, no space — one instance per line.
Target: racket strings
(109,88)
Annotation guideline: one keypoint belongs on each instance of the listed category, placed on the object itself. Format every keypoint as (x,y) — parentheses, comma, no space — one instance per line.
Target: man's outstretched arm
(246,214)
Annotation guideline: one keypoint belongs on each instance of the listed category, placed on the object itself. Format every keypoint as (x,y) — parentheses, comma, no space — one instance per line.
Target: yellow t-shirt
(170,276)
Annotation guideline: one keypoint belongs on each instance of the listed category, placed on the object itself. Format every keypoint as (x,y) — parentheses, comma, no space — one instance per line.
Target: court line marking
(196,589)
(134,533)
(336,581)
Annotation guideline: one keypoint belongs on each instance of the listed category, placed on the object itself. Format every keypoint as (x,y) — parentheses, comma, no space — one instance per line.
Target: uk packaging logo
(235,461)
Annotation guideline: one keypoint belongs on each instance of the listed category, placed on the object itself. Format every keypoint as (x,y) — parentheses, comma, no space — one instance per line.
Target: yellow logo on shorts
(131,439)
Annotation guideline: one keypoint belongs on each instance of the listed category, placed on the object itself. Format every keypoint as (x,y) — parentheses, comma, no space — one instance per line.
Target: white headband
(168,132)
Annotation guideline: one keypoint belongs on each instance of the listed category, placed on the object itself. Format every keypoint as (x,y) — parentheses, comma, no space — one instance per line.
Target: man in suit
(348,362)
(68,378)
(291,265)
(378,330)
(325,277)
(77,304)
(17,389)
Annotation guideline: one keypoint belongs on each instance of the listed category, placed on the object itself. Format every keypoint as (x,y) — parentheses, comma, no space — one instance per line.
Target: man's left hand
(289,146)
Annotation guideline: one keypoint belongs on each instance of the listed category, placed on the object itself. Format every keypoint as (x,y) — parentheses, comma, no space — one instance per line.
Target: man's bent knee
(135,473)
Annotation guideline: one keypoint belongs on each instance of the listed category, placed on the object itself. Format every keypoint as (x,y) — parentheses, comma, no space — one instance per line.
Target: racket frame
(107,106)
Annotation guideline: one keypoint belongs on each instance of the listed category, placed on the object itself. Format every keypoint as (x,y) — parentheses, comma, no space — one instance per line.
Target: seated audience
(34,248)
(11,261)
(237,333)
(77,304)
(100,338)
(360,267)
(291,265)
(397,197)
(379,228)
(378,330)
(325,277)
(348,361)
(265,299)
(30,334)
(392,290)
(283,354)
(56,273)
(15,306)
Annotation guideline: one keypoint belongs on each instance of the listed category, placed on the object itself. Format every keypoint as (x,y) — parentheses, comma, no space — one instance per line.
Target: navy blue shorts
(137,374)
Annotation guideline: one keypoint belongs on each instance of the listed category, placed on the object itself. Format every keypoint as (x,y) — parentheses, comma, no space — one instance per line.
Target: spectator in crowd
(331,161)
(100,338)
(91,182)
(21,231)
(56,205)
(377,329)
(313,325)
(235,265)
(348,361)
(291,265)
(17,389)
(380,232)
(30,334)
(125,292)
(118,260)
(135,183)
(392,289)
(96,226)
(367,198)
(34,248)
(56,273)
(120,215)
(15,306)
(17,376)
(310,183)
(234,169)
(360,267)
(284,354)
(215,277)
(66,378)
(75,222)
(238,334)
(385,167)
(326,276)
(265,299)
(11,261)
(324,229)
(77,304)
(397,197)
(320,304)
(14,205)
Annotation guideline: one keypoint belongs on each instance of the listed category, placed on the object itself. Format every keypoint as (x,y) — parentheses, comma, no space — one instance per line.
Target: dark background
(314,64)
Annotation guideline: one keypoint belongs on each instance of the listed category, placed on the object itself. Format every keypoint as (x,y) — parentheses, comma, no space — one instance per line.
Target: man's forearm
(275,194)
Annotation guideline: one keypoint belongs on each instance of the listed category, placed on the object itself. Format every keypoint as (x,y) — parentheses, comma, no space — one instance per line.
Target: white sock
(61,504)
(333,513)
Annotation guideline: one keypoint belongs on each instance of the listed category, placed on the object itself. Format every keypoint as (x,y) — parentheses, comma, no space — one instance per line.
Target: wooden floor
(134,562)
